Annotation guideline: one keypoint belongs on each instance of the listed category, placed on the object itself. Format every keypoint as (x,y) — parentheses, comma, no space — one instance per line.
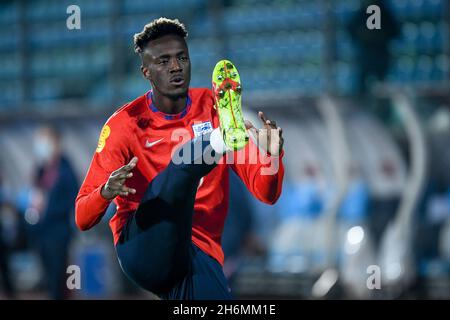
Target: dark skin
(166,64)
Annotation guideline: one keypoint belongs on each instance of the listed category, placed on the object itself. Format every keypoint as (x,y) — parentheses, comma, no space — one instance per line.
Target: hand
(115,185)
(270,138)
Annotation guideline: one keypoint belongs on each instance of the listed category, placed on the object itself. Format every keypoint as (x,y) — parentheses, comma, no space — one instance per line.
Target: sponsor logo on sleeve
(106,131)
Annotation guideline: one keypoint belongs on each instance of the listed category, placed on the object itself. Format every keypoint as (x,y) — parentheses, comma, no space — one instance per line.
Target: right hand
(115,185)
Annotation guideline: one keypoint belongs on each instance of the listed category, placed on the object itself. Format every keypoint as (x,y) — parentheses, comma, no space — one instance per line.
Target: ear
(146,73)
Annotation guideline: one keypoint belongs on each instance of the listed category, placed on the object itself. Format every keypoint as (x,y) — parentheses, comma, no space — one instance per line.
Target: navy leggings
(155,247)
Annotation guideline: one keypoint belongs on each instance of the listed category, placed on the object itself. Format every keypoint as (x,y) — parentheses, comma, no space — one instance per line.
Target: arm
(264,176)
(103,182)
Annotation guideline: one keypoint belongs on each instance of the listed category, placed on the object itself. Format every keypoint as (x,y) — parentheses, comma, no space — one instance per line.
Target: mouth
(177,80)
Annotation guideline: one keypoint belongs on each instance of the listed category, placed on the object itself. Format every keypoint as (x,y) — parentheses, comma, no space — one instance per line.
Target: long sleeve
(112,153)
(261,173)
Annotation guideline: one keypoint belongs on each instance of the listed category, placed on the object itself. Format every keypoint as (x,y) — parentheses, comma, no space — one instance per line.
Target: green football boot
(227,91)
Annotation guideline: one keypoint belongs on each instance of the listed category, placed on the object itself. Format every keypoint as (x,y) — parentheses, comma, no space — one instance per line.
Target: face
(167,66)
(46,144)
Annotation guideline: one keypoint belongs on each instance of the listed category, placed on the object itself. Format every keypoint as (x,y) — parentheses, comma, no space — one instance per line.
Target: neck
(167,104)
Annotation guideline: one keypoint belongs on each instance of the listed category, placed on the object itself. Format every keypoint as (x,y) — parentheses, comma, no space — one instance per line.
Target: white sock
(216,141)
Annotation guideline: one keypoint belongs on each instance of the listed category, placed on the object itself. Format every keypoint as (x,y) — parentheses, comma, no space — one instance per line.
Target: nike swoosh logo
(149,144)
(200,183)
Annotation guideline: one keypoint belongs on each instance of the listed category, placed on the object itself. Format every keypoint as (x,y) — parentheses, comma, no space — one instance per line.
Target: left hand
(270,137)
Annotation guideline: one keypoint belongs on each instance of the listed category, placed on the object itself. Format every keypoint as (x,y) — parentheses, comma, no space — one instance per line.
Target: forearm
(90,208)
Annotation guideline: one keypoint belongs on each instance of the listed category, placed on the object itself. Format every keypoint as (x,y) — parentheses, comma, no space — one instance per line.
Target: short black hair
(156,29)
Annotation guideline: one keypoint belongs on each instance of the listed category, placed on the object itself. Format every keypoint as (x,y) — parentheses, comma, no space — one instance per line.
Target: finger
(271,124)
(122,170)
(262,116)
(117,172)
(249,124)
(123,175)
(131,164)
(253,132)
(280,132)
(117,183)
(267,123)
(128,190)
(251,128)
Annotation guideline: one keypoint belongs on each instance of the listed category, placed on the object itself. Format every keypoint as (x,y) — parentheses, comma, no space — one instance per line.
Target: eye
(183,58)
(163,62)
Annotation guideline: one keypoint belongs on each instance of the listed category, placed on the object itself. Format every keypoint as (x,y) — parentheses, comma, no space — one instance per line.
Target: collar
(167,116)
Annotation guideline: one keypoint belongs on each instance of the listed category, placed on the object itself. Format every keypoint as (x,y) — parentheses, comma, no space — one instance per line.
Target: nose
(175,65)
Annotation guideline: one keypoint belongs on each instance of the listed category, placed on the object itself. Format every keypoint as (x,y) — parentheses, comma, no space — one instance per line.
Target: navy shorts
(205,280)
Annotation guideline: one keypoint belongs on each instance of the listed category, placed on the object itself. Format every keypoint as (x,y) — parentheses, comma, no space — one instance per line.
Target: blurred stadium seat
(290,53)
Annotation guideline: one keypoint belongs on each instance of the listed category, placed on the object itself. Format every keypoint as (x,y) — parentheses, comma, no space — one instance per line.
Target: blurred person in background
(56,188)
(6,209)
(238,238)
(372,45)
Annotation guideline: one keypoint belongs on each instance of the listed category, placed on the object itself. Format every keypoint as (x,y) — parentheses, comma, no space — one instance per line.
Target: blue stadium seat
(9,13)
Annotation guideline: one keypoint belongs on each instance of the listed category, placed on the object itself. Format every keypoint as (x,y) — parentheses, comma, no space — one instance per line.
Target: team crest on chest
(202,128)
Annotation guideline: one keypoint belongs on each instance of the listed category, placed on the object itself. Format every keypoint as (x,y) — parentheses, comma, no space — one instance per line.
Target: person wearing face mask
(56,188)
